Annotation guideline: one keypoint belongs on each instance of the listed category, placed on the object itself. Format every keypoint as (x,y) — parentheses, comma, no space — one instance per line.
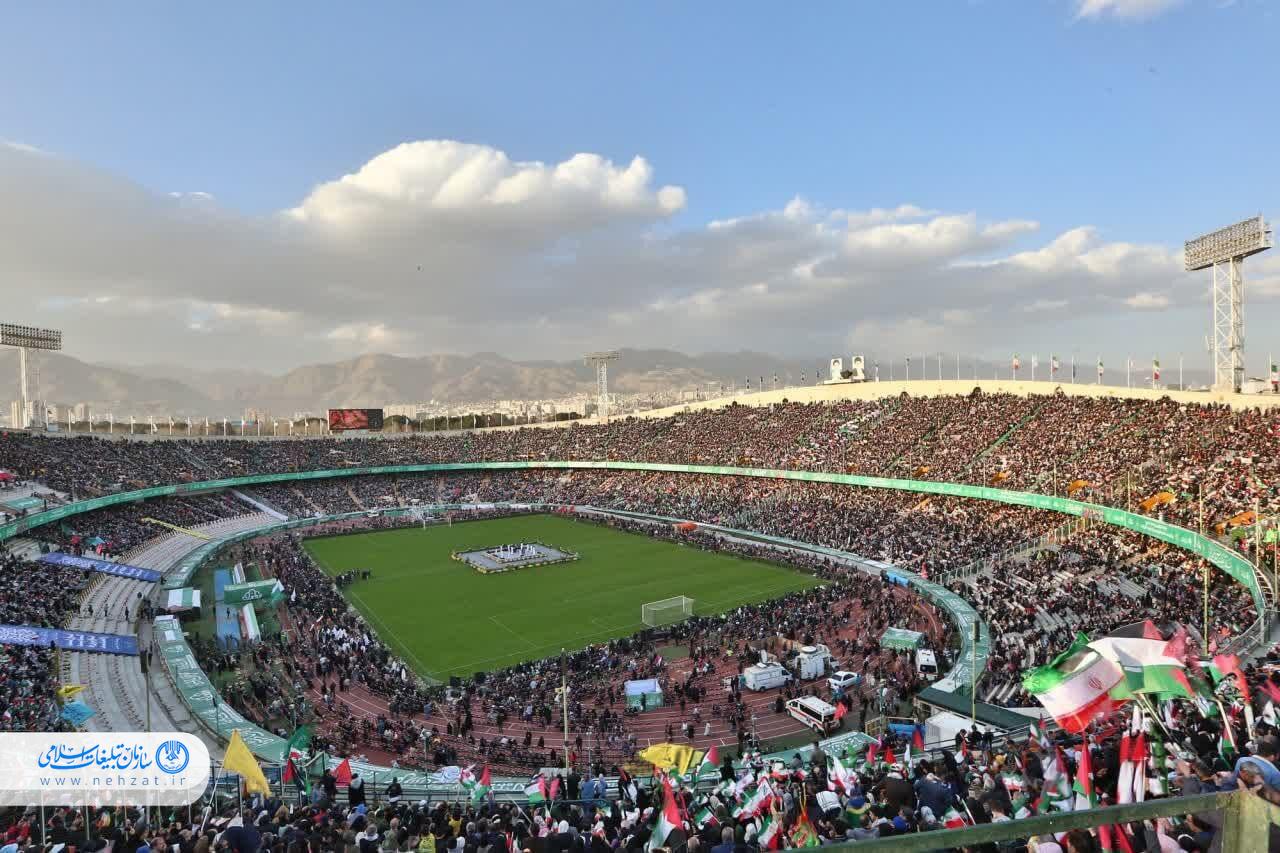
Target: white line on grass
(503,626)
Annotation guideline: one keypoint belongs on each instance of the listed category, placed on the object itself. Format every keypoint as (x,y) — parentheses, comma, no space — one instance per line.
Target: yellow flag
(669,756)
(239,760)
(66,691)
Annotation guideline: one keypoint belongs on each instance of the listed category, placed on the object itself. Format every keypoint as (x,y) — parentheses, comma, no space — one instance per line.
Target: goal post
(668,611)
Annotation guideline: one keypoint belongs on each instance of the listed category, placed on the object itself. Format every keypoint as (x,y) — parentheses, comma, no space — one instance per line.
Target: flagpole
(564,699)
(1204,565)
(973,676)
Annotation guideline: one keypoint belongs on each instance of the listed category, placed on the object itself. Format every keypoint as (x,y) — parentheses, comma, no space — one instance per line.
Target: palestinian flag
(1037,735)
(479,790)
(342,773)
(710,764)
(1226,750)
(917,737)
(1057,788)
(954,819)
(889,757)
(1086,796)
(554,789)
(803,834)
(770,835)
(873,749)
(1074,687)
(668,818)
(536,791)
(1223,667)
(1146,667)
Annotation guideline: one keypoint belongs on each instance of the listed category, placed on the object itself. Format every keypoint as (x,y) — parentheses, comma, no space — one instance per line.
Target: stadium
(601,428)
(757,580)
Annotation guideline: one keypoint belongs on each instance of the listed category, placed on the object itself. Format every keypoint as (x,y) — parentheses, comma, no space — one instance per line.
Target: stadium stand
(1214,462)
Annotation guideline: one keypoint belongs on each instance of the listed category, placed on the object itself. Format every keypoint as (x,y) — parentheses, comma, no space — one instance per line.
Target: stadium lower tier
(1097,579)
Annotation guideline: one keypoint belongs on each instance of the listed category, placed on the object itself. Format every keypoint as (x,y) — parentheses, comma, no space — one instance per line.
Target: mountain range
(376,380)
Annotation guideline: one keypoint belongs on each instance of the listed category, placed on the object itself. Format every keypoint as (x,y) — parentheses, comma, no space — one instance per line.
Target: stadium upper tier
(1114,450)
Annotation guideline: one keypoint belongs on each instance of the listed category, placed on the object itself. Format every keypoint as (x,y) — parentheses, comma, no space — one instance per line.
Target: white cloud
(1132,9)
(438,246)
(1147,300)
(422,181)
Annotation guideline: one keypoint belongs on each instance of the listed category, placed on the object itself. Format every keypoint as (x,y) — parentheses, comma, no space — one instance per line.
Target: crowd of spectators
(1111,450)
(28,675)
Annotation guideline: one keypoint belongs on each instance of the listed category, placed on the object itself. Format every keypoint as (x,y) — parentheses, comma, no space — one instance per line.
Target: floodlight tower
(25,338)
(1225,251)
(601,362)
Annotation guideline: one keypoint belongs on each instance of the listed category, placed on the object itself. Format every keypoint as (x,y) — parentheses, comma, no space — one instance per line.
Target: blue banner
(90,564)
(76,641)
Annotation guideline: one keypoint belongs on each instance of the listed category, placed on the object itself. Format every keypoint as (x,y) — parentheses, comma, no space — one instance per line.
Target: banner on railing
(76,641)
(106,567)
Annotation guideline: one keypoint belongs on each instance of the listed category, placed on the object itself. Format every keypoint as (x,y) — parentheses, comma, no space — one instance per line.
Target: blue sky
(1149,121)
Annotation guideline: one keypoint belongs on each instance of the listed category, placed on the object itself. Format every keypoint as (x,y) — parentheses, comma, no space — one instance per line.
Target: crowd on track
(1037,587)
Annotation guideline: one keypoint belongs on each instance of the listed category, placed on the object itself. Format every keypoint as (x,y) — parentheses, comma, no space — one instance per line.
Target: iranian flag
(1075,686)
(770,835)
(839,777)
(1155,370)
(704,817)
(668,818)
(536,791)
(953,819)
(1147,666)
(1086,796)
(756,801)
(1053,364)
(1275,374)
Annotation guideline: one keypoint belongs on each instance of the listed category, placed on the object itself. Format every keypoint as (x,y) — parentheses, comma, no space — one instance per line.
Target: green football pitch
(445,618)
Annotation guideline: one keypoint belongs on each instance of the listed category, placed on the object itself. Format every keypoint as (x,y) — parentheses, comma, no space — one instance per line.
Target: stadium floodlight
(25,338)
(601,362)
(1225,250)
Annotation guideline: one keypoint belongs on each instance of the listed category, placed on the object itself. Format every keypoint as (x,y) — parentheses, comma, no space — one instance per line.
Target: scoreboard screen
(345,419)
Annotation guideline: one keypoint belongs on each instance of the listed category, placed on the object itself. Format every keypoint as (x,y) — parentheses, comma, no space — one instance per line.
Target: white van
(927,663)
(814,713)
